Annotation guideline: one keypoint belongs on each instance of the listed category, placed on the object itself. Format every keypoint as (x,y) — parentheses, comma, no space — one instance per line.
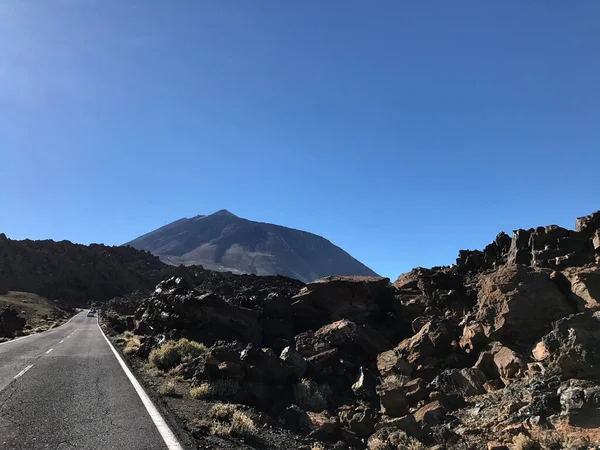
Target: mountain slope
(223,241)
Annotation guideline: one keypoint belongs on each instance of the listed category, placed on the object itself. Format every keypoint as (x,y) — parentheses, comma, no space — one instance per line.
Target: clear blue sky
(401,131)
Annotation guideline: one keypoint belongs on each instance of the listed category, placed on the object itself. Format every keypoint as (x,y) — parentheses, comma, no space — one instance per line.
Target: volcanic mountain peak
(223,241)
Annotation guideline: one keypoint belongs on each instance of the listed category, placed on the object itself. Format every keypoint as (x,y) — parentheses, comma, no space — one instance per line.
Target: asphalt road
(65,389)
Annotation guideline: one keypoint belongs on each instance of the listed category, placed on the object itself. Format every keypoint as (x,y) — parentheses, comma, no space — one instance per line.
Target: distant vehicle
(91,314)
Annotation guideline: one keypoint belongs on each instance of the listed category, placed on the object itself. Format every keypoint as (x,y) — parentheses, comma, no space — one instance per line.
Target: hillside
(74,274)
(225,242)
(33,314)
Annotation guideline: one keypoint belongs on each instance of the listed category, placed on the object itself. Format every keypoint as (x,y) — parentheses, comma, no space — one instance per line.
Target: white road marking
(23,371)
(48,351)
(61,341)
(170,440)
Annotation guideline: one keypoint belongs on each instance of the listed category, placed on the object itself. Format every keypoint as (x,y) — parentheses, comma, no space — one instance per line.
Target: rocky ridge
(498,351)
(75,274)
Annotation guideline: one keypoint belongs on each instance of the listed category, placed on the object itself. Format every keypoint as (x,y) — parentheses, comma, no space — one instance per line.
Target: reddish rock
(359,419)
(323,360)
(434,338)
(486,364)
(493,385)
(415,391)
(510,366)
(496,446)
(392,397)
(344,332)
(588,224)
(392,363)
(431,414)
(406,423)
(517,304)
(473,337)
(585,284)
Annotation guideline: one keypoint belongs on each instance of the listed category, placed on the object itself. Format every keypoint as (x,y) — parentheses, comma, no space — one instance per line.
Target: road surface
(65,389)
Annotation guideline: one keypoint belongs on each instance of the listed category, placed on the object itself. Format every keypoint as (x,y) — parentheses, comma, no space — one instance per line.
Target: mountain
(222,241)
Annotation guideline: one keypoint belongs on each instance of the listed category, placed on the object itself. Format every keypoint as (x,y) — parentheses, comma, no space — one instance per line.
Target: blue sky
(401,131)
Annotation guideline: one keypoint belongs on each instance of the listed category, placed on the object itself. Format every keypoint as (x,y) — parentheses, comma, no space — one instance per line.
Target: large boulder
(355,298)
(463,382)
(517,304)
(10,322)
(588,224)
(585,284)
(203,317)
(392,396)
(359,419)
(266,362)
(431,414)
(580,403)
(435,338)
(571,348)
(392,362)
(509,364)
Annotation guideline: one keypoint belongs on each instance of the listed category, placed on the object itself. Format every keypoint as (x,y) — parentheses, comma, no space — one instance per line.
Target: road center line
(23,371)
(170,440)
(49,351)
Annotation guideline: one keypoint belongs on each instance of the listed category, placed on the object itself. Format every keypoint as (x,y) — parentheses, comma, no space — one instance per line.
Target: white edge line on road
(162,427)
(48,351)
(23,371)
(37,334)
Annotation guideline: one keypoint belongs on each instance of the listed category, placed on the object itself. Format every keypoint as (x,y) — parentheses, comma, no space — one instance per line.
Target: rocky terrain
(498,351)
(23,313)
(225,242)
(74,274)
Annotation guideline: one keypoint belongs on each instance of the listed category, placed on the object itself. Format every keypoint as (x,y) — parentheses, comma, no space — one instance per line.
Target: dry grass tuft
(523,442)
(225,388)
(242,425)
(222,411)
(167,388)
(201,391)
(130,343)
(173,353)
(229,421)
(220,429)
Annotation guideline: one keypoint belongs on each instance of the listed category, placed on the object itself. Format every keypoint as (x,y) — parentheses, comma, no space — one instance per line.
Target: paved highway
(66,389)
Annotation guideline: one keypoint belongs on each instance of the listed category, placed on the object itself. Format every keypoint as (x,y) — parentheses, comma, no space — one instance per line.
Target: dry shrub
(229,421)
(167,388)
(311,395)
(173,353)
(132,346)
(394,440)
(523,442)
(222,411)
(242,425)
(220,429)
(224,388)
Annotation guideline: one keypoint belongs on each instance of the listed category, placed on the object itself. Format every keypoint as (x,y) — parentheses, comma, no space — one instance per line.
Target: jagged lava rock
(517,304)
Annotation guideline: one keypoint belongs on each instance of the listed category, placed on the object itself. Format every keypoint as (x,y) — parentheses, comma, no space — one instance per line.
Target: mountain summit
(225,242)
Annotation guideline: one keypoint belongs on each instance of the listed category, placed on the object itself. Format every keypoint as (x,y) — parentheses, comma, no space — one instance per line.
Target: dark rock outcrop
(10,322)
